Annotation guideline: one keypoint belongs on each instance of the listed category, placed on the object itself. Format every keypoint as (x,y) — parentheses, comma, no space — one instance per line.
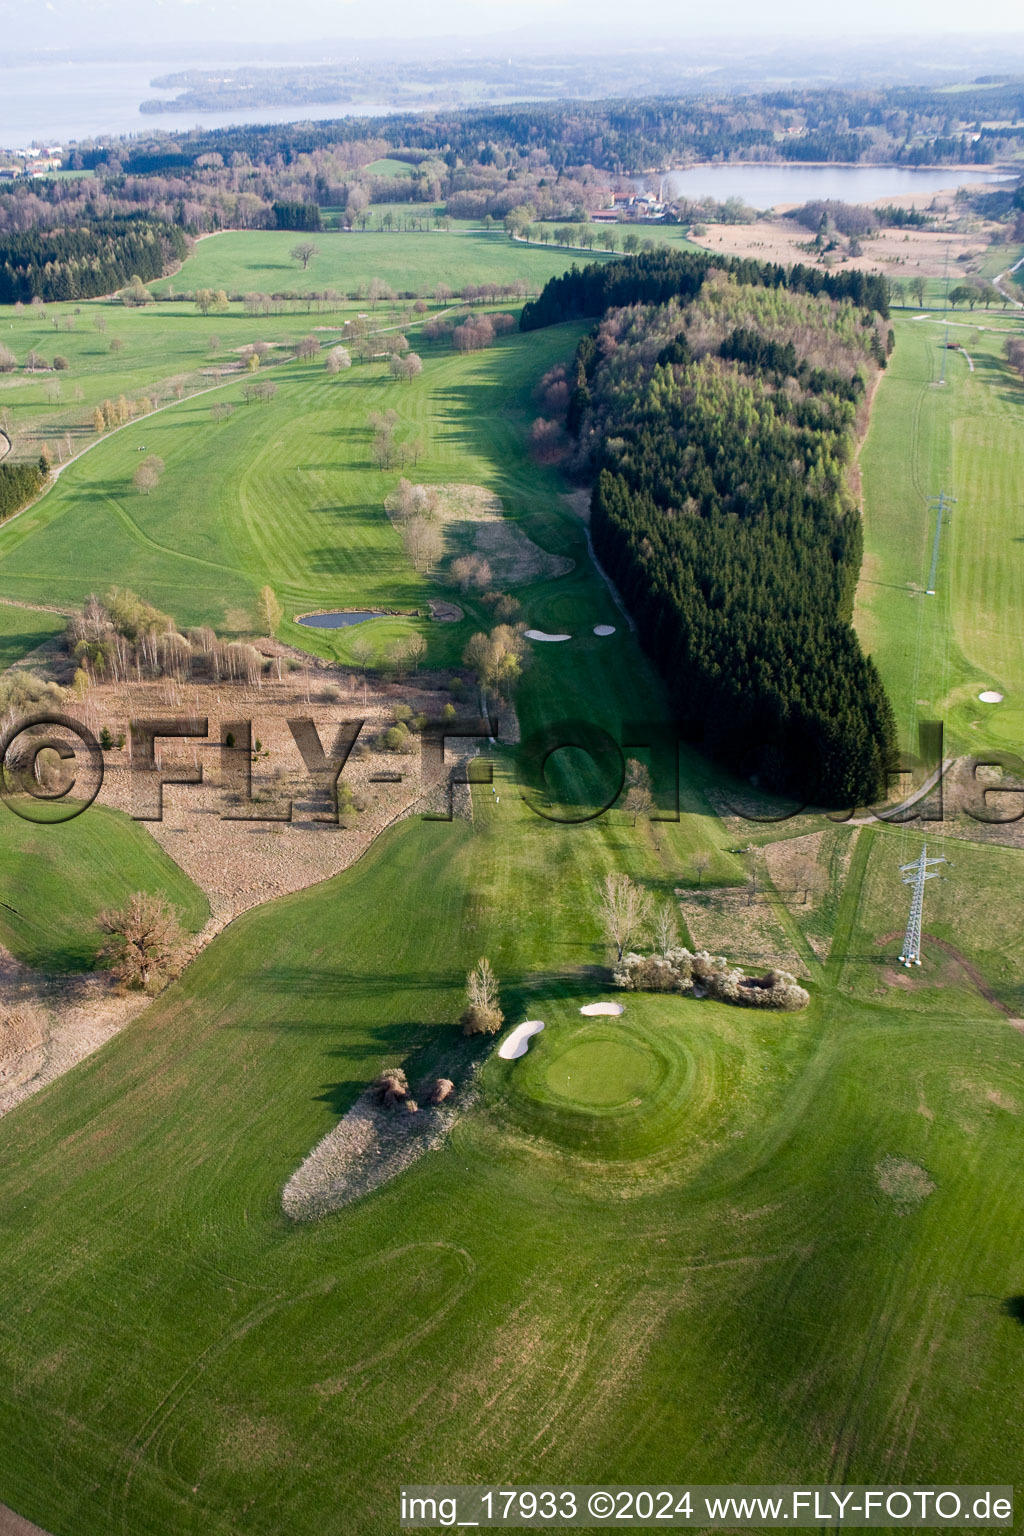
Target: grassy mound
(622,1089)
(57,878)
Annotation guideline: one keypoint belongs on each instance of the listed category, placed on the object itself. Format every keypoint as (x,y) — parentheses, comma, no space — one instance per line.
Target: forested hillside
(651,278)
(86,260)
(719,429)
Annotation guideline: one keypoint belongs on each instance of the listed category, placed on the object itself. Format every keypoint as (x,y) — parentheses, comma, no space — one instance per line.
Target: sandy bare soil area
(367,1148)
(13,1525)
(513,557)
(49,1023)
(240,863)
(898,253)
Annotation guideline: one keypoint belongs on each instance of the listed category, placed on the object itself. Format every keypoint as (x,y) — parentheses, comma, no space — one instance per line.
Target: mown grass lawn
(569,1290)
(286,493)
(22,629)
(936,654)
(56,879)
(240,261)
(724,1281)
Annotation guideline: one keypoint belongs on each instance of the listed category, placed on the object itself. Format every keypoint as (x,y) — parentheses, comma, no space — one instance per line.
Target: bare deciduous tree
(639,798)
(362,651)
(337,359)
(378,289)
(269,609)
(304,251)
(624,909)
(146,941)
(424,542)
(147,477)
(665,927)
(414,649)
(471,571)
(700,864)
(482,1013)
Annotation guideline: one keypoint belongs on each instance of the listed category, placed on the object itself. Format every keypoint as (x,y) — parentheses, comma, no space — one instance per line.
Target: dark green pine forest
(83,261)
(718,427)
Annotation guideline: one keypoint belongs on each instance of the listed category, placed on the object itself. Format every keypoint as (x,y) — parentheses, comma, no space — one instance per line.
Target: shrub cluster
(710,976)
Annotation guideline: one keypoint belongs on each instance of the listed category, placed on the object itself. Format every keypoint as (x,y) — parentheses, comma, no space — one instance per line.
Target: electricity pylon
(916,874)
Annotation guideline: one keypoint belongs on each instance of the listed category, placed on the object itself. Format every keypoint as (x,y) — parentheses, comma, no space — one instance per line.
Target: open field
(56,879)
(765,1247)
(240,261)
(754,1181)
(162,351)
(936,654)
(22,629)
(388,167)
(286,493)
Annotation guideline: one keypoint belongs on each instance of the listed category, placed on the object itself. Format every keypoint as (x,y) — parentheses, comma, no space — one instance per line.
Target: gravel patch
(368,1147)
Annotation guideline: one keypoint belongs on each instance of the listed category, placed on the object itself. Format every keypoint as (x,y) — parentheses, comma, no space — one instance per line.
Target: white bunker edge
(593,1009)
(538,634)
(990,696)
(604,629)
(518,1042)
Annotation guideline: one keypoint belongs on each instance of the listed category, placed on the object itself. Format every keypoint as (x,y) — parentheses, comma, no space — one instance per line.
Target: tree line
(18,484)
(654,277)
(718,427)
(83,261)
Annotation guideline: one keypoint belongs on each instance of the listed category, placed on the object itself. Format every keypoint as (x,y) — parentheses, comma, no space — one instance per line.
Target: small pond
(339,620)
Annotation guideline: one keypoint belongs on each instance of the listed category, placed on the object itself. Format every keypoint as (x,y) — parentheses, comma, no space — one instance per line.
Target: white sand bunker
(604,629)
(990,697)
(590,1009)
(538,634)
(518,1041)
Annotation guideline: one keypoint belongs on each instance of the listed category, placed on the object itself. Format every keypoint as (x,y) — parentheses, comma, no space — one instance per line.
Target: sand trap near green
(518,1042)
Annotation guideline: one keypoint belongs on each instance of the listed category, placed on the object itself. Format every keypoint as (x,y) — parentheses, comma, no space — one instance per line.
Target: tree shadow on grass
(442,1051)
(1013,1307)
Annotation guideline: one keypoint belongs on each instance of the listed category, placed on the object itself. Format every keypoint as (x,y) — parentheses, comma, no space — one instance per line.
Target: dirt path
(997,282)
(5,445)
(14,1525)
(16,602)
(970,971)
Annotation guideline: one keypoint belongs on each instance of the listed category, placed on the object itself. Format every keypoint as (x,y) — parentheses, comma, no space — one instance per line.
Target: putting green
(605,1089)
(603,1073)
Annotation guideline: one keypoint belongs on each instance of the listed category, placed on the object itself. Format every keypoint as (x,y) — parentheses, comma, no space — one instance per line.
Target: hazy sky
(59,24)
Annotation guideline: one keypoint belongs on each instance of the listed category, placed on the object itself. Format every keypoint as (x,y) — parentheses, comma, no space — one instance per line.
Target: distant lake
(765,186)
(57,102)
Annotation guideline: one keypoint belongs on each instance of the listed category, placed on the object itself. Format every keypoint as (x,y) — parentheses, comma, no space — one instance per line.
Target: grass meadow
(765,1248)
(56,879)
(936,654)
(241,261)
(22,629)
(573,1287)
